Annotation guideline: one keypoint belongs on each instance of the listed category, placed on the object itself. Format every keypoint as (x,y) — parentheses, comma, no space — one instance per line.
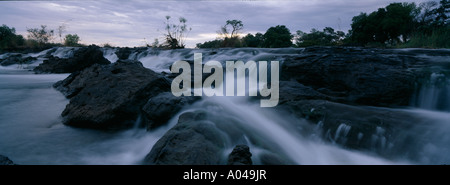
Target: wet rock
(294,91)
(240,156)
(192,141)
(109,96)
(357,127)
(82,58)
(16,59)
(268,158)
(161,108)
(124,53)
(363,77)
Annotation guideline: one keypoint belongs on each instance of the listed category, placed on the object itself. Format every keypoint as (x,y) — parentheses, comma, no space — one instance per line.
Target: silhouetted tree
(236,27)
(40,35)
(327,37)
(392,24)
(9,39)
(277,37)
(255,41)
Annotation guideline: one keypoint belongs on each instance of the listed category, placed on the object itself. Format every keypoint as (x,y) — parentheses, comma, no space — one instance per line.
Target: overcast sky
(127,23)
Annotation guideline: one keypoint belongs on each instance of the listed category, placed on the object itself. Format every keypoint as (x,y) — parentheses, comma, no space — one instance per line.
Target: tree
(176,33)
(277,37)
(9,39)
(255,41)
(61,30)
(231,35)
(442,19)
(393,24)
(210,44)
(236,27)
(327,37)
(40,35)
(399,21)
(71,40)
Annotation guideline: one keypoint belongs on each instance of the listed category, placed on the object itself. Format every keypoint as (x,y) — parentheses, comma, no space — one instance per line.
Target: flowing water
(31,131)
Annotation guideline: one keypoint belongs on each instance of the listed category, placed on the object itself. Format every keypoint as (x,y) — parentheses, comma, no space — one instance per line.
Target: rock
(240,156)
(161,108)
(109,96)
(16,59)
(192,141)
(268,158)
(5,161)
(358,127)
(294,91)
(83,58)
(357,77)
(124,53)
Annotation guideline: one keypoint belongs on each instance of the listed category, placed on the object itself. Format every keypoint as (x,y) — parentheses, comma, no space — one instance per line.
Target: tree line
(36,38)
(396,25)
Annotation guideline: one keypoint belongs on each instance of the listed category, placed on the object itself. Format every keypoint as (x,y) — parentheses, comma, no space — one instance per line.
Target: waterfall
(30,119)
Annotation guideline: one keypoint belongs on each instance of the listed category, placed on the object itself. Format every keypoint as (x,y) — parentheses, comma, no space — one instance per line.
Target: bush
(71,40)
(439,38)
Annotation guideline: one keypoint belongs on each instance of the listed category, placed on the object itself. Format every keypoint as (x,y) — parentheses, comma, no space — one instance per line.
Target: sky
(137,22)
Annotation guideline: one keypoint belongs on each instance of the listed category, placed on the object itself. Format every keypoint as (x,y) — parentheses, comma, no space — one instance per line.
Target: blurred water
(31,131)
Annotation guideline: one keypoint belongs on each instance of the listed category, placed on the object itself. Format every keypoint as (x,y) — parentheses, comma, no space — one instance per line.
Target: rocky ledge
(82,58)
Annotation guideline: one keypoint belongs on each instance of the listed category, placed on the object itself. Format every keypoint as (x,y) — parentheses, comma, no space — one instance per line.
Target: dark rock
(240,156)
(161,108)
(192,141)
(109,96)
(272,159)
(124,53)
(5,161)
(16,59)
(363,77)
(358,127)
(294,91)
(82,58)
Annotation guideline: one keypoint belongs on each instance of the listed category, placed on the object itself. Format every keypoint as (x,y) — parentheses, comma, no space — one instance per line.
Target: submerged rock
(240,156)
(192,141)
(5,161)
(109,96)
(82,58)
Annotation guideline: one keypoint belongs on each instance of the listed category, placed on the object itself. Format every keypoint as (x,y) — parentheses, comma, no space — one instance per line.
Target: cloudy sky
(133,23)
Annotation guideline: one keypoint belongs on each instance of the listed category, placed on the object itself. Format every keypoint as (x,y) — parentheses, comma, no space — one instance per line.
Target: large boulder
(192,141)
(355,76)
(109,96)
(82,58)
(161,108)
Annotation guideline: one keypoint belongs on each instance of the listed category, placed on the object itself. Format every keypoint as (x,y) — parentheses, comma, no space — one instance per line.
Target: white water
(31,131)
